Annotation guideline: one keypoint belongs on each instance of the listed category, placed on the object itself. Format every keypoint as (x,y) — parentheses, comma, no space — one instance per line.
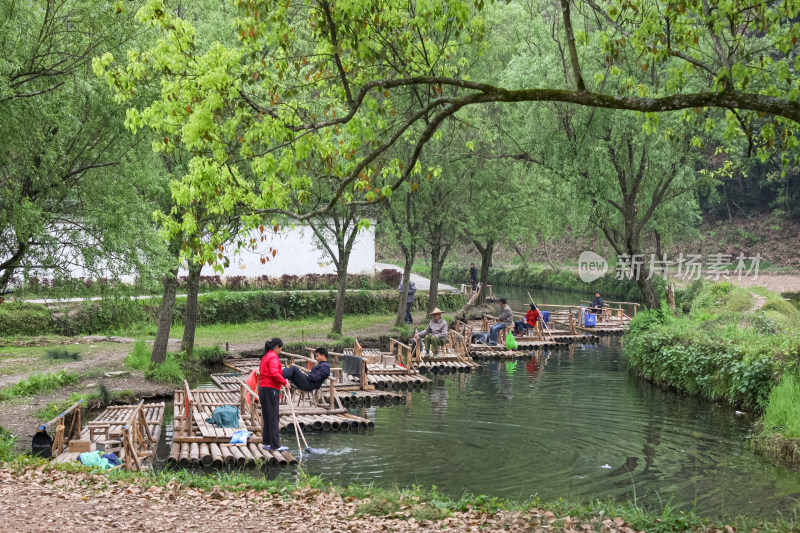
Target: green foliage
(7,445)
(23,319)
(720,350)
(208,355)
(170,371)
(220,307)
(139,358)
(39,383)
(543,278)
(782,414)
(62,354)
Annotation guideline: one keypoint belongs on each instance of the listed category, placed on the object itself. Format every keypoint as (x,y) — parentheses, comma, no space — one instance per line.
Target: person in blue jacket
(315,377)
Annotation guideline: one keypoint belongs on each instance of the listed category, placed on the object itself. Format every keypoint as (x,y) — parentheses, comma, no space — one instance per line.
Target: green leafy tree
(77,188)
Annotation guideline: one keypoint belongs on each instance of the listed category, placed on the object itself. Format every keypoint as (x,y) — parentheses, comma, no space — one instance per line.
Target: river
(571,423)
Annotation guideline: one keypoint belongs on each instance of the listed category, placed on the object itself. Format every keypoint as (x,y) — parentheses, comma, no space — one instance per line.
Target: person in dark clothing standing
(597,304)
(412,288)
(270,381)
(473,276)
(315,377)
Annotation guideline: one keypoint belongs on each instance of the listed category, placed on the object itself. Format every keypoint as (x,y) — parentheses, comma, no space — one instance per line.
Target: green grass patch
(139,358)
(91,400)
(62,354)
(782,414)
(170,371)
(39,383)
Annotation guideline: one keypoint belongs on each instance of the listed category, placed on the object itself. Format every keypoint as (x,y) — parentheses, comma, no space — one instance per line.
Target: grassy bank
(727,345)
(119,314)
(410,507)
(540,277)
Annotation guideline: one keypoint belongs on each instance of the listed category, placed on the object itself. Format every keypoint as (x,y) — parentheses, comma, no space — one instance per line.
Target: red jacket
(271,372)
(531,317)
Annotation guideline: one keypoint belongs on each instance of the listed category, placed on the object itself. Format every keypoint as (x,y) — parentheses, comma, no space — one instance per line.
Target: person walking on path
(504,320)
(270,381)
(473,276)
(412,288)
(435,334)
(315,377)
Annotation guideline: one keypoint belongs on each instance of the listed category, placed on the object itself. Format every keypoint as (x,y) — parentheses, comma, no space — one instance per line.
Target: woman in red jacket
(270,381)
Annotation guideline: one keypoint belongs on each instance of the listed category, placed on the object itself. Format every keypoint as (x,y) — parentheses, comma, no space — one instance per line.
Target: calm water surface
(569,423)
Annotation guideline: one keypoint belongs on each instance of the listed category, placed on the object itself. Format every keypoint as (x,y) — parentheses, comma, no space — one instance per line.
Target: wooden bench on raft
(68,426)
(129,437)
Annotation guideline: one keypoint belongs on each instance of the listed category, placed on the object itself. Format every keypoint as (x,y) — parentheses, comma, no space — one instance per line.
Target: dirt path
(34,501)
(758,301)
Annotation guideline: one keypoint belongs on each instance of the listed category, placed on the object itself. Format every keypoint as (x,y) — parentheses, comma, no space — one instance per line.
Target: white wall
(298,253)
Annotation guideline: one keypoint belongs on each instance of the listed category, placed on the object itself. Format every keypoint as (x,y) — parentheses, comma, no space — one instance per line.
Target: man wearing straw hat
(435,334)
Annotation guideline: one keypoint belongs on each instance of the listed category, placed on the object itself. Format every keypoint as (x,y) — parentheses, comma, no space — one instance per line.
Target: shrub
(390,277)
(139,358)
(23,319)
(169,371)
(208,355)
(62,354)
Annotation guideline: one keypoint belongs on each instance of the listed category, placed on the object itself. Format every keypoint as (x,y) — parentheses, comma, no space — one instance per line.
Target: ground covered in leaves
(40,497)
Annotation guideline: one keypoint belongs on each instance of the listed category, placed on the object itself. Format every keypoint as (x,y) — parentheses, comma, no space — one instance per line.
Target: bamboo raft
(130,431)
(360,398)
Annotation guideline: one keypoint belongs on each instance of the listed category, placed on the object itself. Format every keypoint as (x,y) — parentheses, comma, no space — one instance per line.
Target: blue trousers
(493,332)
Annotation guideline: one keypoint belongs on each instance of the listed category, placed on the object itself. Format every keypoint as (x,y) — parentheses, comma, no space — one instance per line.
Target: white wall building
(298,253)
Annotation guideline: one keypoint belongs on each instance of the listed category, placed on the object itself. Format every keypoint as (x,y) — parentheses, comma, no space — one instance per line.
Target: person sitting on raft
(504,320)
(435,334)
(315,377)
(597,304)
(531,318)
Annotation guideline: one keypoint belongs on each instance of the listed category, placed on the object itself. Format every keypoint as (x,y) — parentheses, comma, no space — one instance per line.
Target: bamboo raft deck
(447,363)
(608,325)
(362,398)
(130,431)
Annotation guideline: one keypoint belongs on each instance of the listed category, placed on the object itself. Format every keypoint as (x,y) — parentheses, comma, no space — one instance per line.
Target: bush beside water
(722,349)
(113,315)
(562,280)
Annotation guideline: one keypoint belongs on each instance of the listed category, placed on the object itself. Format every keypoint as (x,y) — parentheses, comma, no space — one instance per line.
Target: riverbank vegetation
(727,344)
(120,315)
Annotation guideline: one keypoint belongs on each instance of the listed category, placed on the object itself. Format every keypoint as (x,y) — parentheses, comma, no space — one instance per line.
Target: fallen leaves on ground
(37,499)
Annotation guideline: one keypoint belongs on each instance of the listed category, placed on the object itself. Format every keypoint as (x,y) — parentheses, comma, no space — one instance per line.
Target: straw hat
(435,311)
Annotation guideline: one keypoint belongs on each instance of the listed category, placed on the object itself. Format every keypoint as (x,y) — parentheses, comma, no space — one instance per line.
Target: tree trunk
(192,310)
(486,262)
(159,354)
(433,292)
(547,256)
(401,308)
(341,294)
(648,292)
